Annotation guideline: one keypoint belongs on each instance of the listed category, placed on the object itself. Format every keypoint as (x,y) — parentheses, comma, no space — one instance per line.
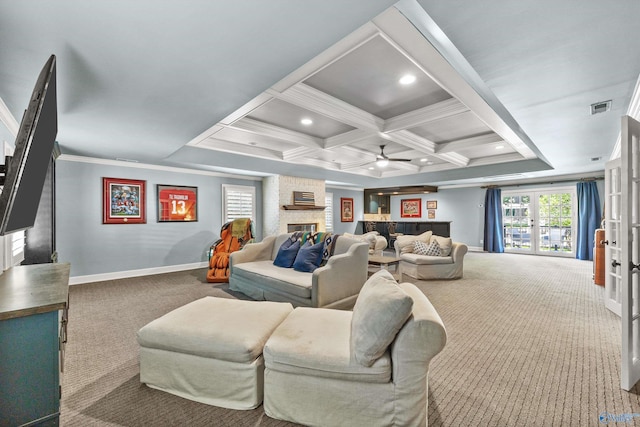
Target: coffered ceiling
(342,108)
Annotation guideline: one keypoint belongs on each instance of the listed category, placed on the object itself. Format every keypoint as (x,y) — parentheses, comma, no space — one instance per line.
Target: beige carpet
(529,343)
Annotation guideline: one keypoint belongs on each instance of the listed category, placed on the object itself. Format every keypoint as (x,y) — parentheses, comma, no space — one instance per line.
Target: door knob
(615,263)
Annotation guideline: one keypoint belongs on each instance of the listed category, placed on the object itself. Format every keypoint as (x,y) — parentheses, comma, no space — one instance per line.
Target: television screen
(26,170)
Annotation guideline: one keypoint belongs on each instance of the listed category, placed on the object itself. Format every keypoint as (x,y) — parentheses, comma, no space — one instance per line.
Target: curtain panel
(589,217)
(493,231)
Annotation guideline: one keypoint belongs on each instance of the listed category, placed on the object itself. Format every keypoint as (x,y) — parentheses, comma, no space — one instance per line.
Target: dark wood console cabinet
(33,318)
(440,228)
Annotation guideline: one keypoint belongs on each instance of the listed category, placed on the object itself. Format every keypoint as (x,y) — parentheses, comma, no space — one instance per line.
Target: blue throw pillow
(309,257)
(287,254)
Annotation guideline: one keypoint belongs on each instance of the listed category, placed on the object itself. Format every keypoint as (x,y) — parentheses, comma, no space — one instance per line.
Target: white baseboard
(476,248)
(77,280)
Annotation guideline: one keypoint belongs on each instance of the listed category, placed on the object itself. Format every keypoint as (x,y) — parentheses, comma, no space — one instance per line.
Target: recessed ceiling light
(306,121)
(423,160)
(395,192)
(407,79)
(380,194)
(371,168)
(499,147)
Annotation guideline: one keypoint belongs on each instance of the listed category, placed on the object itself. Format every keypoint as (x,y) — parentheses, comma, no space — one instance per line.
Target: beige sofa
(368,367)
(335,285)
(426,267)
(377,243)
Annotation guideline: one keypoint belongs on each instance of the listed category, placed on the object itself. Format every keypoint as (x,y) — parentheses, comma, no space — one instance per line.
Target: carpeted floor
(529,343)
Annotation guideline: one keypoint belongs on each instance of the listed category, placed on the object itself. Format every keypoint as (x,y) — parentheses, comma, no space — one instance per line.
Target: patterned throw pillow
(329,247)
(421,248)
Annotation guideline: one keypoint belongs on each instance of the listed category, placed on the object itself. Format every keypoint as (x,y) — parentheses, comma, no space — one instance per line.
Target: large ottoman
(210,350)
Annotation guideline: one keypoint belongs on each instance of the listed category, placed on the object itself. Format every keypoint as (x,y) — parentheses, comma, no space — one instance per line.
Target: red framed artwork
(177,203)
(411,208)
(346,209)
(123,201)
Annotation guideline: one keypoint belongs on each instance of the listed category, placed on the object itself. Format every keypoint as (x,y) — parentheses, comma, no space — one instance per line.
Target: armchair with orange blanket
(233,236)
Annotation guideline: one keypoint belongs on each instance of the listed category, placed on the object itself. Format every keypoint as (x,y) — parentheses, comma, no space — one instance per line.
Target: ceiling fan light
(382,163)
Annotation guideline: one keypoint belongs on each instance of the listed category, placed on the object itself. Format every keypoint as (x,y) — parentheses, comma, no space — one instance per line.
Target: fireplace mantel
(303,208)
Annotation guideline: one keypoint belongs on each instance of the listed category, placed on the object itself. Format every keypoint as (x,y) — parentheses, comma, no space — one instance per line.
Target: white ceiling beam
(503,158)
(349,137)
(319,102)
(235,148)
(411,140)
(440,110)
(298,152)
(473,142)
(265,129)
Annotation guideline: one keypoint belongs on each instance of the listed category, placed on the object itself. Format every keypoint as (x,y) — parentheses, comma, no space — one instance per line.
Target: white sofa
(377,243)
(335,285)
(426,267)
(368,367)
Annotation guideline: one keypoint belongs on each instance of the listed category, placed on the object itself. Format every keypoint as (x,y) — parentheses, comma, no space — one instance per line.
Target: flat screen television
(25,172)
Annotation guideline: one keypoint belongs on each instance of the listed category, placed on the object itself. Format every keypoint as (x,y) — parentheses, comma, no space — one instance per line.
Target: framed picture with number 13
(177,203)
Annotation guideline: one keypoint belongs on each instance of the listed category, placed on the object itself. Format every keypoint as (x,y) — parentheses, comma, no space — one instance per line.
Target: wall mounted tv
(26,171)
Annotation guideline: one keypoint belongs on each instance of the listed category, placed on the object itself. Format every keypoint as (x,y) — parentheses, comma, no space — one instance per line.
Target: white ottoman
(210,350)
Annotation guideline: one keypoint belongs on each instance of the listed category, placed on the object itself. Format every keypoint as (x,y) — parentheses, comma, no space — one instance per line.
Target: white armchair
(319,370)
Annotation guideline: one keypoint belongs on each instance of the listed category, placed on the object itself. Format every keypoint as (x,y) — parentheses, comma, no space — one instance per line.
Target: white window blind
(238,201)
(328,212)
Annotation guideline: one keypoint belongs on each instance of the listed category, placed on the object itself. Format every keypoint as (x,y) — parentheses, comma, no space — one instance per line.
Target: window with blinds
(328,212)
(238,201)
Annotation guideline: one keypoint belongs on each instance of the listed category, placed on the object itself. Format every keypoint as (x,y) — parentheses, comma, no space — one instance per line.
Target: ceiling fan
(383,160)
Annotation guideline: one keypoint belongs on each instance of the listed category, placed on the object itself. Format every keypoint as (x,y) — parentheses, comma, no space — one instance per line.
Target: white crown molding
(634,112)
(78,280)
(7,118)
(502,158)
(120,163)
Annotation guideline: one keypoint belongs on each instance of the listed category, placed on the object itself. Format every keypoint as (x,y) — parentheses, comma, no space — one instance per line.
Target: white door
(613,197)
(629,245)
(540,221)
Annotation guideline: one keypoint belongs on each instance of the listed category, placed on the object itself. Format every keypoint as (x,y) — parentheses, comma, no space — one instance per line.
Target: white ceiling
(223,86)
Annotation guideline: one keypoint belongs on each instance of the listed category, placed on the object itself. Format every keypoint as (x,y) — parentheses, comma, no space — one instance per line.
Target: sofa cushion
(316,342)
(426,259)
(406,242)
(380,311)
(218,328)
(286,280)
(445,244)
(329,247)
(287,254)
(370,238)
(309,257)
(421,248)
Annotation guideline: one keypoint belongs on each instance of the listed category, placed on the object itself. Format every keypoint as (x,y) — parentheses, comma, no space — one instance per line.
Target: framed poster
(432,204)
(123,201)
(346,209)
(177,203)
(431,214)
(411,208)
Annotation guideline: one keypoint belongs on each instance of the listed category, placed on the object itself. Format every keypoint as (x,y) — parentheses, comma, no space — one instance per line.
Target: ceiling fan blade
(399,160)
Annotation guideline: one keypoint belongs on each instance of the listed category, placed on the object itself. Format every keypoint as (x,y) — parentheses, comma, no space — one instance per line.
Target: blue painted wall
(340,227)
(94,248)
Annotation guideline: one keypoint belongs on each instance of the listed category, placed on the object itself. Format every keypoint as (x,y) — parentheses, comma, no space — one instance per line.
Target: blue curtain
(493,232)
(589,217)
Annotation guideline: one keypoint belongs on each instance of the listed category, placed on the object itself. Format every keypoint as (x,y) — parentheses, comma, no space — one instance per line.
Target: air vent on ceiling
(600,107)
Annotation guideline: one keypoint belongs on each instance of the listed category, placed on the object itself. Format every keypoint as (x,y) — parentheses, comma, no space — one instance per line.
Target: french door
(630,251)
(540,221)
